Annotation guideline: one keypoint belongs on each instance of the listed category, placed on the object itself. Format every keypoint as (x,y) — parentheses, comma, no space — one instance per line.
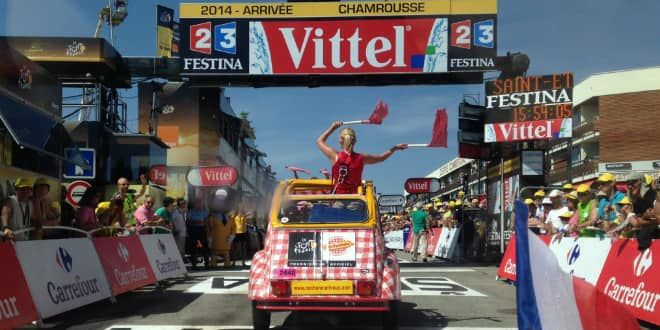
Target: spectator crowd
(603,208)
(198,232)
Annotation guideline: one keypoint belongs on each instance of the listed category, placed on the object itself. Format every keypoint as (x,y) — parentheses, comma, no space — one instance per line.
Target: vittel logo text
(378,52)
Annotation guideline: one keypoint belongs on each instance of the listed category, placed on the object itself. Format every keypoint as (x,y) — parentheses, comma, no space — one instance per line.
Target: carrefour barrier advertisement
(15,301)
(335,38)
(62,274)
(163,255)
(394,239)
(125,263)
(582,257)
(630,277)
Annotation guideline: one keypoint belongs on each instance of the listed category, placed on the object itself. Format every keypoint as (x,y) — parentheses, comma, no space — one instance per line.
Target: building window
(576,156)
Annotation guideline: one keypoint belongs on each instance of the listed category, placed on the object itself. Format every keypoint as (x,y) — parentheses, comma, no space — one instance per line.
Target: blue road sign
(78,156)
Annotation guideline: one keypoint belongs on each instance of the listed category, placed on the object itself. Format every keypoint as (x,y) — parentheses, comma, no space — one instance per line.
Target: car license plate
(316,288)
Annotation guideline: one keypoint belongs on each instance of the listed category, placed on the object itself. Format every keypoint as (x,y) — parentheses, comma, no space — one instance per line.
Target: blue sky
(585,37)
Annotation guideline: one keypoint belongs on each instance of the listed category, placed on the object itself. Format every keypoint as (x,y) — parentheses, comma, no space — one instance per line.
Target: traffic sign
(75,191)
(84,155)
(391,200)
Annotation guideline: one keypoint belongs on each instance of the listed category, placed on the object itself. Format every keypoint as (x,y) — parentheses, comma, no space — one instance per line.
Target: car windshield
(297,211)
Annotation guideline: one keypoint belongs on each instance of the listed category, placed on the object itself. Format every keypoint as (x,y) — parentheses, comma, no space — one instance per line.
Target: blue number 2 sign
(484,34)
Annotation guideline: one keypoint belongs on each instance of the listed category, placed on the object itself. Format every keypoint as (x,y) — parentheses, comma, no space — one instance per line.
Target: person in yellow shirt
(221,231)
(242,240)
(110,214)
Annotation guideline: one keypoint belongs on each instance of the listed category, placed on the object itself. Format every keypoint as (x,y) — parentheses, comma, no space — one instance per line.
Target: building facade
(615,128)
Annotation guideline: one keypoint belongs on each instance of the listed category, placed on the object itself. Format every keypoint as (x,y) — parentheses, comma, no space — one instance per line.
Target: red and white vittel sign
(158,175)
(422,185)
(212,176)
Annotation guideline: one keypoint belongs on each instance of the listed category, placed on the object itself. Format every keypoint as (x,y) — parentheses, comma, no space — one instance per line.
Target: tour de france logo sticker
(304,250)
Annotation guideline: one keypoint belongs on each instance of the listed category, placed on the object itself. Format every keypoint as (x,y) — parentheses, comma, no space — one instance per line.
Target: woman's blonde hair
(347,136)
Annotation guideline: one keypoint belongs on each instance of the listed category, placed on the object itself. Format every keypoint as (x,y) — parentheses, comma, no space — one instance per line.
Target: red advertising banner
(507,268)
(631,278)
(349,46)
(528,130)
(212,176)
(125,263)
(335,38)
(422,185)
(15,299)
(433,241)
(158,175)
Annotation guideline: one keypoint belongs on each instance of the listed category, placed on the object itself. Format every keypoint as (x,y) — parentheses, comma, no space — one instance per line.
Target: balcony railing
(584,128)
(579,169)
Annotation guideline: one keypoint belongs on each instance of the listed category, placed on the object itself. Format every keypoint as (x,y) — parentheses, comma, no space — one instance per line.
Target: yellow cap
(23,183)
(648,179)
(529,201)
(625,201)
(461,193)
(567,186)
(566,215)
(539,193)
(583,188)
(572,195)
(606,177)
(452,204)
(41,181)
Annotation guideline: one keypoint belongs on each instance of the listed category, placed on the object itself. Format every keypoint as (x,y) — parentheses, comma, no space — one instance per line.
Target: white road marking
(436,286)
(411,286)
(249,327)
(436,270)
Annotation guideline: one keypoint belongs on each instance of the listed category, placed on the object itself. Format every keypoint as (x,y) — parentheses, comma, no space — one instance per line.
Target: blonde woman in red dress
(347,164)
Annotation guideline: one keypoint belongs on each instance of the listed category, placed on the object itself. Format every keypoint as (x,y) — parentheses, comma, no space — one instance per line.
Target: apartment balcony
(584,128)
(578,170)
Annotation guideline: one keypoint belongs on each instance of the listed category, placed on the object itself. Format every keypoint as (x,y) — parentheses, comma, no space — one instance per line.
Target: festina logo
(377,52)
(212,64)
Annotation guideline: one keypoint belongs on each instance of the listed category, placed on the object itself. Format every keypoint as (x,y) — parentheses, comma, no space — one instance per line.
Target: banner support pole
(502,204)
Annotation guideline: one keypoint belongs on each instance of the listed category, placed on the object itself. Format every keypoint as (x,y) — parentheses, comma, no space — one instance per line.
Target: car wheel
(391,318)
(260,318)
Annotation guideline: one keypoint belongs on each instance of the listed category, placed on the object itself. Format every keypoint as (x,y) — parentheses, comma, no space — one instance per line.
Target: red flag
(439,138)
(379,114)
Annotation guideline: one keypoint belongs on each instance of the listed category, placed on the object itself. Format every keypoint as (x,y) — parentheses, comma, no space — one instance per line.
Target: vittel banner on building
(434,36)
(62,274)
(529,108)
(163,255)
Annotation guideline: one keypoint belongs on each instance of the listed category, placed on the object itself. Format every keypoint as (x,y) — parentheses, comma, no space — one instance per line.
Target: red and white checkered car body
(345,265)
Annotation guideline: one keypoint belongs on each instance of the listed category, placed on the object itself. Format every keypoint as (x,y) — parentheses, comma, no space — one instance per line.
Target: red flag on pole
(439,138)
(376,118)
(379,114)
(295,170)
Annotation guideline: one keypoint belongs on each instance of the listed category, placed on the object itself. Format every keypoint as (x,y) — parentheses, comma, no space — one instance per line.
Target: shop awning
(34,129)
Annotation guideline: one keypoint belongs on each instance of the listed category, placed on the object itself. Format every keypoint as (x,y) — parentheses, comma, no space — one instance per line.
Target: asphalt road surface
(436,295)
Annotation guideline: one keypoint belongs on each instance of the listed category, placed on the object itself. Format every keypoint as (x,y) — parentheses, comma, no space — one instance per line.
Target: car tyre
(391,318)
(260,318)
